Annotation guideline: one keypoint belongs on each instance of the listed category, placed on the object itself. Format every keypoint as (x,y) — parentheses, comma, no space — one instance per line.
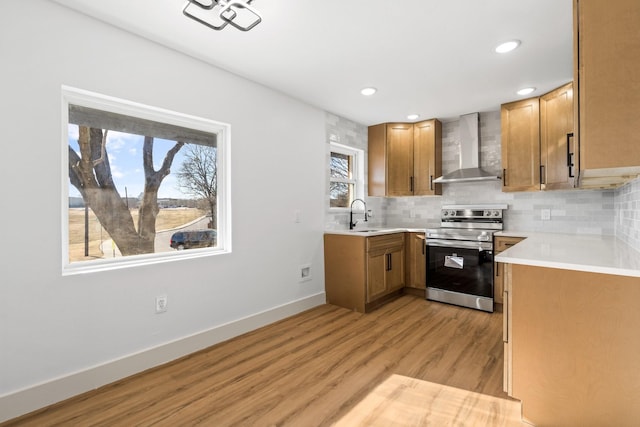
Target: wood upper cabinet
(557,142)
(606,67)
(427,157)
(405,158)
(399,159)
(416,262)
(363,272)
(539,151)
(520,122)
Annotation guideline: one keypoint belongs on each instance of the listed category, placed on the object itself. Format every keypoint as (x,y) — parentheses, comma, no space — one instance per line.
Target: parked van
(193,239)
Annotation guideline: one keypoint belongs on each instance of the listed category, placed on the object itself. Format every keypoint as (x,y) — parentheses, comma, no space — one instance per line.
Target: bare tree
(340,168)
(90,173)
(198,176)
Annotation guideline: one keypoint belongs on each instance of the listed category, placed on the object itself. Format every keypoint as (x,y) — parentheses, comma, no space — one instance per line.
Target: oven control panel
(471,213)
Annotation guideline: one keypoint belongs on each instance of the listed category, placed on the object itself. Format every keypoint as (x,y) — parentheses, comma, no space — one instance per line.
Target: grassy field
(167,219)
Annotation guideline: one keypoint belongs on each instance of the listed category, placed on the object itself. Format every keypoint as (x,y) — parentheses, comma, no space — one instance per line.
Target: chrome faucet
(352,224)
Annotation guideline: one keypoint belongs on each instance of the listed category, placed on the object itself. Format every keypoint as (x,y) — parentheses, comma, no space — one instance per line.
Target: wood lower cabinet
(363,272)
(416,264)
(572,345)
(405,158)
(606,64)
(385,265)
(501,243)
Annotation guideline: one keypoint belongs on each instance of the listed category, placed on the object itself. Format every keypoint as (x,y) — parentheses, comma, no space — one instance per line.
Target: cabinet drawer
(503,243)
(386,241)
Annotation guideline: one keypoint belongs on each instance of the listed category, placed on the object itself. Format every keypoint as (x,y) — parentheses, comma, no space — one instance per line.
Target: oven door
(462,268)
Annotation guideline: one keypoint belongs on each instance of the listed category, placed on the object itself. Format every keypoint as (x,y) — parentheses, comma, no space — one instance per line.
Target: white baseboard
(39,396)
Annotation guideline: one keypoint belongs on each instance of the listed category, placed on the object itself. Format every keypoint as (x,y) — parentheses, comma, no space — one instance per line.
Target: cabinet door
(521,145)
(377,160)
(498,282)
(376,274)
(416,261)
(399,159)
(556,139)
(427,157)
(395,269)
(608,60)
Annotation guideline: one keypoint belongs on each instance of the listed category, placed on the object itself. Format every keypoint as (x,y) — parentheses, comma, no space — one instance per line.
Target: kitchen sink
(364,231)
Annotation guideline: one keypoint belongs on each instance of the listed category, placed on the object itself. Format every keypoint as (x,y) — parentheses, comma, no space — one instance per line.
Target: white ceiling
(431,57)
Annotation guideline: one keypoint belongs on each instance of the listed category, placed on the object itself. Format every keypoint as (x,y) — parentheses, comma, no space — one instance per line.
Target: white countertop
(375,231)
(591,253)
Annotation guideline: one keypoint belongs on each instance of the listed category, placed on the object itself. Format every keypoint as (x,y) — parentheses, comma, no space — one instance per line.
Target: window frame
(358,173)
(84,98)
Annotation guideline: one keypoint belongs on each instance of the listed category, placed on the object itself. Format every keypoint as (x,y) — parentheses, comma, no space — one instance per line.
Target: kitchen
(71,334)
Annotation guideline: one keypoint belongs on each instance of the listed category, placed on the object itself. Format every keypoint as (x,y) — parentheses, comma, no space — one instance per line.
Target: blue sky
(125,157)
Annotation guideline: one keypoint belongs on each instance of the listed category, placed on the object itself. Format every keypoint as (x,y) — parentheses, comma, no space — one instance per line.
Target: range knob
(496,213)
(452,213)
(487,213)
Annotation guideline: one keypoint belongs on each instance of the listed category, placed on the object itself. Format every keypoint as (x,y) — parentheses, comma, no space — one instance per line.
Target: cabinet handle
(431,182)
(570,155)
(497,267)
(543,179)
(389,266)
(504,177)
(411,184)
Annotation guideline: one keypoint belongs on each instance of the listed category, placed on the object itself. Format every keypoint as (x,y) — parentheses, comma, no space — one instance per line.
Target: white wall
(53,326)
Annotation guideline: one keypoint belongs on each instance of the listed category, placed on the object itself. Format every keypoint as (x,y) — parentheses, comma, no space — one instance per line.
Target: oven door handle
(463,244)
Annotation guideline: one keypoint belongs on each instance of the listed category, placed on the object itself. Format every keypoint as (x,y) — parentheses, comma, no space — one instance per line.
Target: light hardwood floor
(307,370)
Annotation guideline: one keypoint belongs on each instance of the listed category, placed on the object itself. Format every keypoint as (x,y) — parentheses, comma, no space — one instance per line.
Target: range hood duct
(469,154)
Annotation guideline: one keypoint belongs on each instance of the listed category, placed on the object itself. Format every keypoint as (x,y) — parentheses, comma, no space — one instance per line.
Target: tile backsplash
(604,212)
(627,215)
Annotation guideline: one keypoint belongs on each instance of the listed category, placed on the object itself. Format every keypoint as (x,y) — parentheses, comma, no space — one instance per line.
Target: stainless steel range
(460,255)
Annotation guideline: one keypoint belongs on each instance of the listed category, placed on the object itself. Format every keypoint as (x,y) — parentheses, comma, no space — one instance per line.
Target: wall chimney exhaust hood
(469,154)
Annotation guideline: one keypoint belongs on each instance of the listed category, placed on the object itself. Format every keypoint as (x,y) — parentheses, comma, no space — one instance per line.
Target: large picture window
(141,184)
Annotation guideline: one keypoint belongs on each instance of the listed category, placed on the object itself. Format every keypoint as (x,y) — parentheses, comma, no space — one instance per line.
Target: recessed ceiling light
(412,116)
(368,91)
(507,46)
(526,91)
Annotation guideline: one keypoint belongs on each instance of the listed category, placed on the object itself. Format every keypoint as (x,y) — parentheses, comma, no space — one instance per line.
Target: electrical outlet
(161,304)
(305,273)
(545,214)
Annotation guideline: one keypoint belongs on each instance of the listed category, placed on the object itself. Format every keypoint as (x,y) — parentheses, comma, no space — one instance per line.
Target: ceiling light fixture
(412,116)
(526,91)
(507,46)
(217,14)
(368,91)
